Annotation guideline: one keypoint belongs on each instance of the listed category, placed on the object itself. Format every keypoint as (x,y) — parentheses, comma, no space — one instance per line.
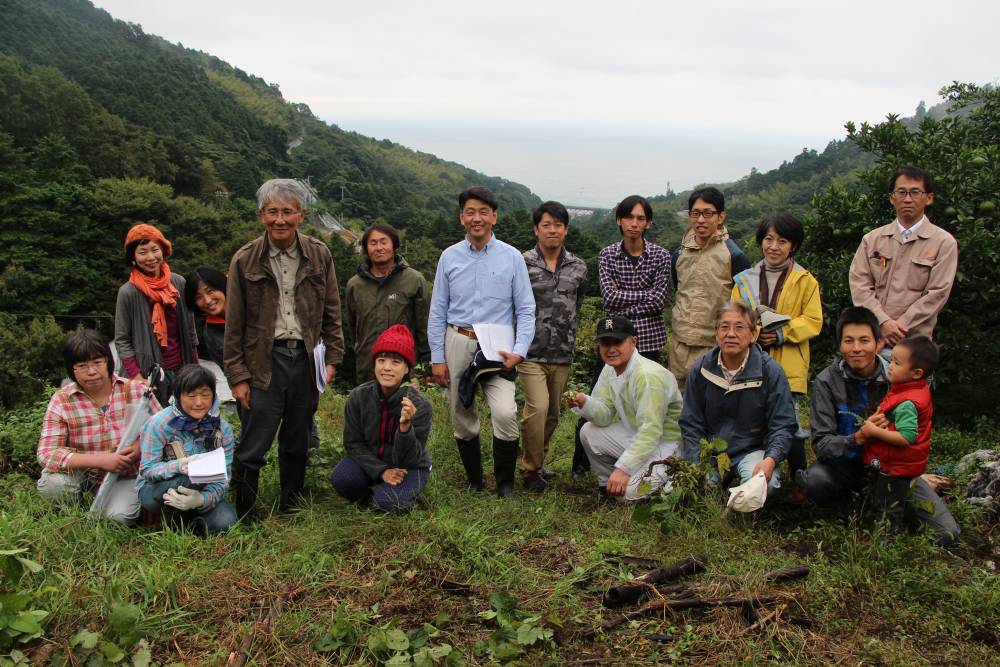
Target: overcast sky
(587,102)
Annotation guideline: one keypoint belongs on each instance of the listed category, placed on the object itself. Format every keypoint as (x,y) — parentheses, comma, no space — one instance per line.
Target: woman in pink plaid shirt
(82,427)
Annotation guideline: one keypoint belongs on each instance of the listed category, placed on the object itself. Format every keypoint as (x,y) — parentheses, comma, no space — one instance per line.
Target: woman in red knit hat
(152,323)
(386,424)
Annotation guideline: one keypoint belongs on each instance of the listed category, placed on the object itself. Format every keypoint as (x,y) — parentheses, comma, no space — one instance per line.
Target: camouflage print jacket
(557,301)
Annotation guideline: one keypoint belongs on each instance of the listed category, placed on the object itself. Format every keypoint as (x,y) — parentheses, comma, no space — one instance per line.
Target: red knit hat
(398,339)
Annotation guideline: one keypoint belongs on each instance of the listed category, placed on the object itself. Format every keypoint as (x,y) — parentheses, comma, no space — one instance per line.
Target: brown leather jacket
(252,301)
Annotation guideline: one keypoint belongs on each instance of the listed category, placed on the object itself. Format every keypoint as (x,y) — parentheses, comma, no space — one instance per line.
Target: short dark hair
(203,274)
(711,196)
(479,192)
(924,353)
(553,208)
(130,249)
(85,345)
(917,174)
(626,205)
(858,315)
(191,377)
(784,225)
(384,228)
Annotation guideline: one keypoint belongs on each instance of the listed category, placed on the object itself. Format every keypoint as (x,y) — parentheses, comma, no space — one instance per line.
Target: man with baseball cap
(644,397)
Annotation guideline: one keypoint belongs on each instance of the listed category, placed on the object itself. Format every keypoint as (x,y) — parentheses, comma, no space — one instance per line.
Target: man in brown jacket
(281,300)
(903,271)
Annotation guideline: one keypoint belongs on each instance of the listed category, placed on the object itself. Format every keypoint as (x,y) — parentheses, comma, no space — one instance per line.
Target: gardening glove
(182,465)
(183,499)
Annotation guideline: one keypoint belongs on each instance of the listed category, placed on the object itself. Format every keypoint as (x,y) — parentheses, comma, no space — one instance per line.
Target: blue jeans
(352,482)
(219,519)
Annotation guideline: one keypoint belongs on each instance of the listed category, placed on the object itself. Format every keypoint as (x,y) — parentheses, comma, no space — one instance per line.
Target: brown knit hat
(144,232)
(398,339)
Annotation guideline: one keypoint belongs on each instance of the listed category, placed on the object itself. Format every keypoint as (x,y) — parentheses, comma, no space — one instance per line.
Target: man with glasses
(704,266)
(738,394)
(903,271)
(481,280)
(281,300)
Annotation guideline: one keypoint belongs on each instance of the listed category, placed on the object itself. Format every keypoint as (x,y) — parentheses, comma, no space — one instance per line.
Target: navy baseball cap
(617,327)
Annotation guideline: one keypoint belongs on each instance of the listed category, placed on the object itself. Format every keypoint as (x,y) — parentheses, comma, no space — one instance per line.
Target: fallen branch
(262,623)
(788,573)
(625,559)
(632,592)
(679,605)
(762,620)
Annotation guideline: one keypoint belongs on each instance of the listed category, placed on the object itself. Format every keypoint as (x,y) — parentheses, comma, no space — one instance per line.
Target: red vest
(905,461)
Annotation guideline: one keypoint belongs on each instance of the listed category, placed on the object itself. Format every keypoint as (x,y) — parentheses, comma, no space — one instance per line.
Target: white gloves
(183,499)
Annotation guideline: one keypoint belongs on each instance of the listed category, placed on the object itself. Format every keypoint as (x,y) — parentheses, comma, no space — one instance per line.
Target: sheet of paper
(211,465)
(319,361)
(494,338)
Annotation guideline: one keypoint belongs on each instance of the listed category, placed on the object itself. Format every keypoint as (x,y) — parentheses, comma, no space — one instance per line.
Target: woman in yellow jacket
(778,286)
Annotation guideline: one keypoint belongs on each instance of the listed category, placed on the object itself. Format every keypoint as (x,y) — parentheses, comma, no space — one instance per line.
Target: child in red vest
(897,438)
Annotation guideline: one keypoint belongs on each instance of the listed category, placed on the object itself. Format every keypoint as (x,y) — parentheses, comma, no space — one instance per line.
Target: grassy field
(468,579)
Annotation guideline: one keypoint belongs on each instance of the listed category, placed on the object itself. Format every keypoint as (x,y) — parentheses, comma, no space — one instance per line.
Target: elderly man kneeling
(643,395)
(738,394)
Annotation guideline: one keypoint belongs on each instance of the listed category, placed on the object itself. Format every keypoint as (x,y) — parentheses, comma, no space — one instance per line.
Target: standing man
(384,292)
(558,280)
(631,414)
(903,271)
(704,266)
(281,299)
(480,280)
(634,277)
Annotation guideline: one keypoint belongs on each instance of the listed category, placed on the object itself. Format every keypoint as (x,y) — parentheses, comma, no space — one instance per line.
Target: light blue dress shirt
(488,286)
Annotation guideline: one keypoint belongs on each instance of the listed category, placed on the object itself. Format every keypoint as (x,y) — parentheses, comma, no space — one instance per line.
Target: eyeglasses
(92,365)
(281,213)
(694,214)
(738,328)
(902,194)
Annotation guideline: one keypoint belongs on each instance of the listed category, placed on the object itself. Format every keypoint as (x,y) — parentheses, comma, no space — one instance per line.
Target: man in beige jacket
(903,271)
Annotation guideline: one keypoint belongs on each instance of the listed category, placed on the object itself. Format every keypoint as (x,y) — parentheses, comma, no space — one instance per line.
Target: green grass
(354,577)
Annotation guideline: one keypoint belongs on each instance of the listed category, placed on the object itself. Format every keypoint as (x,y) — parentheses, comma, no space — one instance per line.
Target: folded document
(208,468)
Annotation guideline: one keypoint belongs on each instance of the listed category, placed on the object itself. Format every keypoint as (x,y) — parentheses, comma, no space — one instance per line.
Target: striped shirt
(636,288)
(74,424)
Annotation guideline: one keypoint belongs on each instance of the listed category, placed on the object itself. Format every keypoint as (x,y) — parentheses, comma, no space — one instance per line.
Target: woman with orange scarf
(152,323)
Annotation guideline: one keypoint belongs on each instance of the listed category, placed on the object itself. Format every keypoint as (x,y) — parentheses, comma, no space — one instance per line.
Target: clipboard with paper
(770,319)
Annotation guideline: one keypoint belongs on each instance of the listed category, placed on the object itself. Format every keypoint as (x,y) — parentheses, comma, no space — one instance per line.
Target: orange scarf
(215,319)
(161,292)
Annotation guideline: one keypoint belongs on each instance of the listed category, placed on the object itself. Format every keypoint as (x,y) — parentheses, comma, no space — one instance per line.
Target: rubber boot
(889,498)
(292,477)
(581,464)
(472,460)
(244,485)
(504,464)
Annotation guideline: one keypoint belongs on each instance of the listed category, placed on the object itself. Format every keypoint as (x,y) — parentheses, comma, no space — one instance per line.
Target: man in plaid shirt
(634,277)
(82,427)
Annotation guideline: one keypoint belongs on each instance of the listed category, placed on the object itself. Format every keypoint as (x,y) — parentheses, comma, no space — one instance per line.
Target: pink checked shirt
(74,423)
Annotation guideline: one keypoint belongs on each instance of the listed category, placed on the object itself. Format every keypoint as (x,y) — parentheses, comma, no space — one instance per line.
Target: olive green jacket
(375,304)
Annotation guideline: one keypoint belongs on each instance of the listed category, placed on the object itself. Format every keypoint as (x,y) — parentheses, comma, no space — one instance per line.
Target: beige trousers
(543,386)
(459,351)
(682,357)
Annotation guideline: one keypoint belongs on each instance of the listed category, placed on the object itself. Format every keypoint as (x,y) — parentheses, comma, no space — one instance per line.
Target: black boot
(292,476)
(890,495)
(504,463)
(472,459)
(244,485)
(581,464)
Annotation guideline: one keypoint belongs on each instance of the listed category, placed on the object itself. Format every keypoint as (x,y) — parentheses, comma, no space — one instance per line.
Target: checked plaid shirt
(74,424)
(637,289)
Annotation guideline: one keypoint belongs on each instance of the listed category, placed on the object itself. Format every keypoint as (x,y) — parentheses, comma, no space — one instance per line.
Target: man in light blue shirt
(480,280)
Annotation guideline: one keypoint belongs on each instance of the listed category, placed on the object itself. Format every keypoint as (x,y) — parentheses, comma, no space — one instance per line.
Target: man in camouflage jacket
(558,280)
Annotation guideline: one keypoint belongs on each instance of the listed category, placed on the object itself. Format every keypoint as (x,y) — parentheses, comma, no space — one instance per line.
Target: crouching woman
(385,432)
(190,425)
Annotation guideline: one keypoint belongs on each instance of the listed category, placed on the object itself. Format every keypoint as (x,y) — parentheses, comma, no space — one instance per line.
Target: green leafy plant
(516,630)
(121,643)
(20,619)
(352,636)
(687,484)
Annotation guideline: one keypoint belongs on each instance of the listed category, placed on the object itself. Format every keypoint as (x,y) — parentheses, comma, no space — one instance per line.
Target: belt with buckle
(290,343)
(468,333)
